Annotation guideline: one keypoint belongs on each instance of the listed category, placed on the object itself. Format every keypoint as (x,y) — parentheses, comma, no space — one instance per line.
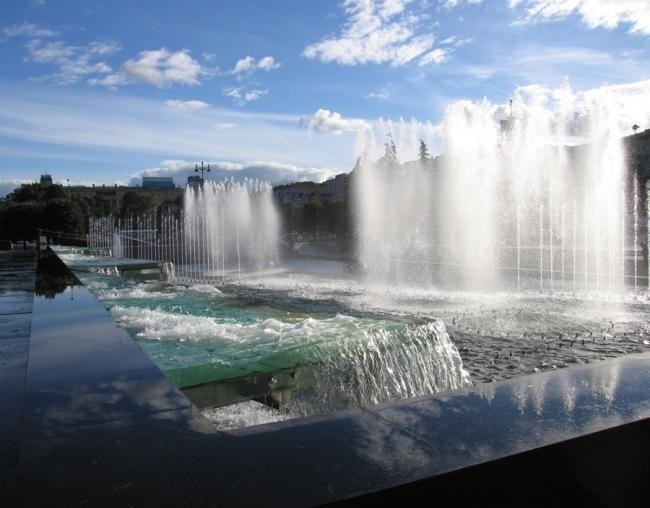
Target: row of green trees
(317,217)
(54,208)
(35,206)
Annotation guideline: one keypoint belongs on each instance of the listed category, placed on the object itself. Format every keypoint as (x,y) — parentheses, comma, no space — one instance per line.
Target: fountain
(224,228)
(509,204)
(228,226)
(532,206)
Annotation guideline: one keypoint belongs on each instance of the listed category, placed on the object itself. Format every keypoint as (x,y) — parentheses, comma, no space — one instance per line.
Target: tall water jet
(228,225)
(532,198)
(224,229)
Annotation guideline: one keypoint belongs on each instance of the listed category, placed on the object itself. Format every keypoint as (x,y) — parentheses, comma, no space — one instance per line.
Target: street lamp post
(201,169)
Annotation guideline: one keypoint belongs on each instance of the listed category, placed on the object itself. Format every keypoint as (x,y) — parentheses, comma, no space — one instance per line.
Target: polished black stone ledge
(102,426)
(17,274)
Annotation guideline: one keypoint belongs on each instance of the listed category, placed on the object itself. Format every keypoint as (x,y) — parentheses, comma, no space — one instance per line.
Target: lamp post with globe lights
(201,168)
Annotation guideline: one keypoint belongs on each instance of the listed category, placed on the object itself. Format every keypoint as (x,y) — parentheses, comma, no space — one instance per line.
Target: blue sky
(103,92)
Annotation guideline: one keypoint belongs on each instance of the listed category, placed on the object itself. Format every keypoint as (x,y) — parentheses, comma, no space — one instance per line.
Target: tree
(62,215)
(134,204)
(291,217)
(314,214)
(37,192)
(100,207)
(391,149)
(424,151)
(335,219)
(21,220)
(35,206)
(172,206)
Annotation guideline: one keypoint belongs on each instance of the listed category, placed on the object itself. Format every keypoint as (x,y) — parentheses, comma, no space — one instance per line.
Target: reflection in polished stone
(580,386)
(53,277)
(569,393)
(604,382)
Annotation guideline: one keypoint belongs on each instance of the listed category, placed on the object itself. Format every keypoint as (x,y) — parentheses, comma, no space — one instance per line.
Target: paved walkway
(17,278)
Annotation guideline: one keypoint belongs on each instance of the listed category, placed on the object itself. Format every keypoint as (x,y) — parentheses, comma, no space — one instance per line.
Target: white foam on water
(243,414)
(204,289)
(160,325)
(139,292)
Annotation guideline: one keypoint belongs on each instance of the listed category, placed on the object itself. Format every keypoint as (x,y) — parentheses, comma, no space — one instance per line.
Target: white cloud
(549,64)
(594,13)
(435,56)
(160,68)
(267,63)
(450,4)
(73,62)
(110,81)
(51,52)
(103,48)
(241,96)
(186,106)
(270,171)
(383,93)
(376,31)
(455,42)
(253,95)
(38,3)
(327,121)
(72,123)
(244,65)
(248,65)
(26,30)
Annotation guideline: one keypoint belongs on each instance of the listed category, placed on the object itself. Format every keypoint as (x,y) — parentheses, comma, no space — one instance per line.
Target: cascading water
(386,365)
(509,203)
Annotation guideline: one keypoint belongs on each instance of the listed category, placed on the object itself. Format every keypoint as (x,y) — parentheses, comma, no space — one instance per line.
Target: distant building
(157,182)
(302,192)
(46,179)
(337,187)
(194,181)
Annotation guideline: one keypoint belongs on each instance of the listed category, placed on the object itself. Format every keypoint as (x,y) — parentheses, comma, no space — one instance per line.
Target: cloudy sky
(102,92)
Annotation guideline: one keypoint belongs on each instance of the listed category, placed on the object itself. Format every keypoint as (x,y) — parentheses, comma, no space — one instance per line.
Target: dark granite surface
(101,425)
(17,275)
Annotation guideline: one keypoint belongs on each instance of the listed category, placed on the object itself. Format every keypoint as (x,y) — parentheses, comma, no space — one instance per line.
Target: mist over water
(532,195)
